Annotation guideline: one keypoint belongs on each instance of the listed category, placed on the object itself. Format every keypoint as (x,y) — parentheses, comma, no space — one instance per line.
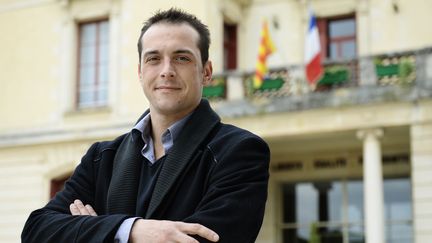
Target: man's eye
(152,59)
(182,59)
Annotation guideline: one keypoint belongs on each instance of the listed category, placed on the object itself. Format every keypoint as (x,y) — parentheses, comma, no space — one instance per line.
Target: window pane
(343,27)
(355,201)
(103,74)
(87,76)
(399,233)
(86,97)
(306,198)
(397,198)
(102,96)
(343,49)
(356,234)
(334,198)
(88,33)
(103,53)
(104,32)
(333,51)
(321,201)
(348,49)
(303,234)
(88,55)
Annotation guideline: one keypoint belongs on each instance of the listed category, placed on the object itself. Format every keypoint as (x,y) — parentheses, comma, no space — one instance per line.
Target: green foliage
(406,68)
(314,234)
(216,89)
(336,74)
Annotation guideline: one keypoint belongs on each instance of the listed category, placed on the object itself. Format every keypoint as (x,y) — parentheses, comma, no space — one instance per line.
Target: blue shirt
(168,138)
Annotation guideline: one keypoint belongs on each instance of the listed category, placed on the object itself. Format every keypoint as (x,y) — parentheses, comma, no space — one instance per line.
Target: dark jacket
(215,174)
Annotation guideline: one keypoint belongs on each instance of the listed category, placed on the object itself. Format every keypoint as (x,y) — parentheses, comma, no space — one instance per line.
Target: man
(180,175)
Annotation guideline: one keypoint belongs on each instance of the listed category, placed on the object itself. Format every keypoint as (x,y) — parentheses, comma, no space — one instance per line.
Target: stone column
(373,185)
(235,88)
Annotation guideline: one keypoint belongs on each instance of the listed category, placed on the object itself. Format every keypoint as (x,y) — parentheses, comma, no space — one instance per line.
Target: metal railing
(391,69)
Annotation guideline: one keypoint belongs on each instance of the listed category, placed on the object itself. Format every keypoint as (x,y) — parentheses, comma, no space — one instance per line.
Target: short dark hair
(177,16)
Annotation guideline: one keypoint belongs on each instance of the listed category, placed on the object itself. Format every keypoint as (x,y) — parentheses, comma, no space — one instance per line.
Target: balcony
(391,77)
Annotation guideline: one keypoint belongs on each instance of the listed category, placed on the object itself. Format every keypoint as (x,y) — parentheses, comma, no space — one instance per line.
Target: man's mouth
(167,88)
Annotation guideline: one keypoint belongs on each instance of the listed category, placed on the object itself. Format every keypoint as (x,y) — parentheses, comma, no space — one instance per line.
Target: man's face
(171,72)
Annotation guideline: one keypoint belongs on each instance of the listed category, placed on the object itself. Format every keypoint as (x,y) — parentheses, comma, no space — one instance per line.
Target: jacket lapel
(123,188)
(195,131)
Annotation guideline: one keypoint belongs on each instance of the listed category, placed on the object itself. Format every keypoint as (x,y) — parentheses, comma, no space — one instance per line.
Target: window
(398,211)
(93,61)
(332,211)
(230,46)
(58,185)
(338,37)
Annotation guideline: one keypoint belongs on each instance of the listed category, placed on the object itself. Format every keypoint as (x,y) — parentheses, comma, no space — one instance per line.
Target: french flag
(314,70)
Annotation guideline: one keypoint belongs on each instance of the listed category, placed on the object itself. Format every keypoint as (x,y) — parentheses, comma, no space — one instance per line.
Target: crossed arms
(155,231)
(229,209)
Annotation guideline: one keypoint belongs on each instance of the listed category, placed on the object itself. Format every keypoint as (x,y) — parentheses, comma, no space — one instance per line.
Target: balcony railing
(393,69)
(398,69)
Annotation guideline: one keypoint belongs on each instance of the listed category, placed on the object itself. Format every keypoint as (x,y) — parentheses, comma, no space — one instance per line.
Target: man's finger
(73,209)
(197,229)
(82,209)
(90,210)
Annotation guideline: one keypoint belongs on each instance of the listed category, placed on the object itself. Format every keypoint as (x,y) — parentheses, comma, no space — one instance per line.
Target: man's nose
(167,70)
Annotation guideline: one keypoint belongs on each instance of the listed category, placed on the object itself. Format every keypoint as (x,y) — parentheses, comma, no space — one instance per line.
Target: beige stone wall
(29,65)
(21,190)
(421,159)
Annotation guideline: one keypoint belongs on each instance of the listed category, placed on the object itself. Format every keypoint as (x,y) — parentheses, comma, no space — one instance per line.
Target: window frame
(97,102)
(323,24)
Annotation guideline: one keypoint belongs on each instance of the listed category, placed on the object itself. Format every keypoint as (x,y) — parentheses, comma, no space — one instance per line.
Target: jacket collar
(123,188)
(203,120)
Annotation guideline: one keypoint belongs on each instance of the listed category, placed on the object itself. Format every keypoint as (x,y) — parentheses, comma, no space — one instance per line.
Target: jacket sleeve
(54,223)
(234,203)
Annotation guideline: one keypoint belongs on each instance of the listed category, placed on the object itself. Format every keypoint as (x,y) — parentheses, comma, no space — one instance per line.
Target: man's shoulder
(110,145)
(234,131)
(229,134)
(230,140)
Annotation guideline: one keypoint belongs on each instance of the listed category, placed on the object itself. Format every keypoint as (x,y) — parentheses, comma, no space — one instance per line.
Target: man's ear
(208,72)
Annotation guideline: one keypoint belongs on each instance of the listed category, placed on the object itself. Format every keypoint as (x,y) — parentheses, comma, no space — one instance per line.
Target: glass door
(332,211)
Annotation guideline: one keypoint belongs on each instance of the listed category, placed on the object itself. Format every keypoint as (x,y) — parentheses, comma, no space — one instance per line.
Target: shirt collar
(168,137)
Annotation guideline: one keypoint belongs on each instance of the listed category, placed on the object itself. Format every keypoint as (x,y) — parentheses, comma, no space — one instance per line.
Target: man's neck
(160,123)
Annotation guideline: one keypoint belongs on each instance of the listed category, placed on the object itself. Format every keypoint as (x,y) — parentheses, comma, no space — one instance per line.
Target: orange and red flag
(265,49)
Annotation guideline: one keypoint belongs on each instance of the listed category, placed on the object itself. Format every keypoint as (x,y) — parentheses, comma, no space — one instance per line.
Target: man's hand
(162,231)
(155,231)
(78,208)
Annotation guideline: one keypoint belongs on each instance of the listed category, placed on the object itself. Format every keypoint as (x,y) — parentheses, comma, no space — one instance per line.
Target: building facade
(351,158)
